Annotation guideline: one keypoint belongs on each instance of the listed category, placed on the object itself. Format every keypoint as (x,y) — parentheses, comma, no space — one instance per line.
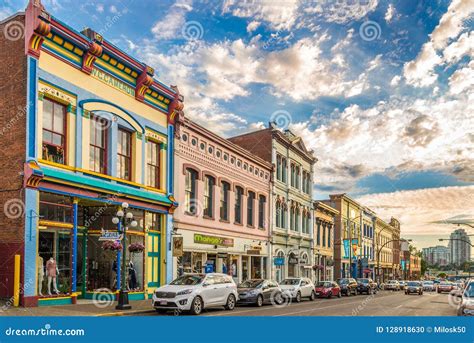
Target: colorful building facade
(222,223)
(98,132)
(291,204)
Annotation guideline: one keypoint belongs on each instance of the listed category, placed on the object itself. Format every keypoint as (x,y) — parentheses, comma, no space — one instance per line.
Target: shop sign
(178,246)
(222,255)
(279,261)
(112,81)
(253,252)
(110,236)
(213,240)
(293,260)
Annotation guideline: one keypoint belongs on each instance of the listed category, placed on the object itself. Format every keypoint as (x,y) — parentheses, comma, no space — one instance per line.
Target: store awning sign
(106,235)
(178,246)
(279,261)
(213,240)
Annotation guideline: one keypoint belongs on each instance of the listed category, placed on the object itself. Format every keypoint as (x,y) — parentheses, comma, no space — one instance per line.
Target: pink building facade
(223,218)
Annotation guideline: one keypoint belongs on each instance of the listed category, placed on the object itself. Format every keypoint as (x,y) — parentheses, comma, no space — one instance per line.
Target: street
(384,303)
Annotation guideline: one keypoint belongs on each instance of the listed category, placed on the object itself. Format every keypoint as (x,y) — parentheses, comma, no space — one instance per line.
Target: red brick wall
(258,143)
(13,147)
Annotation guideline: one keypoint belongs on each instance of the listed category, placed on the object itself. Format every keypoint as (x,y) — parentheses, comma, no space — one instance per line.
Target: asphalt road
(384,303)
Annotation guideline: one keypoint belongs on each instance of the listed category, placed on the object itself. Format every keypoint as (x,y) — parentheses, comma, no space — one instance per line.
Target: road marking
(313,309)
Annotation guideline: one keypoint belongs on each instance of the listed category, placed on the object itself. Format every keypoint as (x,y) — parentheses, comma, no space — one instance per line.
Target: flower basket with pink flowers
(112,245)
(136,247)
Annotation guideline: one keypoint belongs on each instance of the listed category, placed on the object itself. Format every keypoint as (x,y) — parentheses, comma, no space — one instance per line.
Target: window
(238,204)
(329,236)
(250,210)
(225,186)
(98,145)
(57,208)
(278,170)
(124,155)
(292,218)
(261,211)
(54,132)
(298,175)
(190,191)
(297,220)
(293,175)
(324,235)
(278,214)
(153,164)
(284,169)
(318,234)
(209,183)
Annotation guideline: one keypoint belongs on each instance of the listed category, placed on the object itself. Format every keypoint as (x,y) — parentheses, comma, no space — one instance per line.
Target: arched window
(225,187)
(209,183)
(239,191)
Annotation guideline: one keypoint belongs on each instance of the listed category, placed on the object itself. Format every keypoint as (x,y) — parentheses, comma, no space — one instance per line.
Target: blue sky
(382,91)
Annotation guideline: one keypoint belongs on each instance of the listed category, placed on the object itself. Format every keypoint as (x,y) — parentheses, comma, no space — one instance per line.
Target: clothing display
(132,275)
(40,273)
(52,272)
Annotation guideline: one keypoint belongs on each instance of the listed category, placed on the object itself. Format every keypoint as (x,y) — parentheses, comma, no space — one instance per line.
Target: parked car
(414,287)
(348,286)
(366,285)
(429,286)
(445,286)
(327,289)
(195,292)
(466,308)
(392,285)
(259,291)
(402,284)
(298,288)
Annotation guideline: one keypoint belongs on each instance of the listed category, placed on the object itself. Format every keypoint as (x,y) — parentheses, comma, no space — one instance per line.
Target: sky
(381,91)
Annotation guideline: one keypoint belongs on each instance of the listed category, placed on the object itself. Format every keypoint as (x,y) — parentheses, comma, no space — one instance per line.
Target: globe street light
(123,219)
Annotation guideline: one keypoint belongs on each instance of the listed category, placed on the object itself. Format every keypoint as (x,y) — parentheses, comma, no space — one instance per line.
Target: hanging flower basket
(318,267)
(136,247)
(112,245)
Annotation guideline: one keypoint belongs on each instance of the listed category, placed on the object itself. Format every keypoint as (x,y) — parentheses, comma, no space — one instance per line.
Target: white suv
(298,288)
(195,292)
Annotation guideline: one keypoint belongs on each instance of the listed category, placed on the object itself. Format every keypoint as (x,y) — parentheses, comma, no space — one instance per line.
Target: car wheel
(298,297)
(230,304)
(330,295)
(259,301)
(196,306)
(160,310)
(339,294)
(312,296)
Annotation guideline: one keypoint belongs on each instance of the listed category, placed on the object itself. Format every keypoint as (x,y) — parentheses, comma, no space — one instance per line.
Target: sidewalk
(82,308)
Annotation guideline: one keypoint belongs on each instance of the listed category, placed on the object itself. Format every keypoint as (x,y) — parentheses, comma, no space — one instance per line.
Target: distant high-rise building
(437,255)
(459,247)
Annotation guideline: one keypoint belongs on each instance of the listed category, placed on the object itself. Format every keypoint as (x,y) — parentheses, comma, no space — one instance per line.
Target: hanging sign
(178,246)
(106,235)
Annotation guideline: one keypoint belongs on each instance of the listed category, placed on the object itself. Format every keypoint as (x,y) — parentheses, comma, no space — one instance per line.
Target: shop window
(139,217)
(250,208)
(153,221)
(135,264)
(101,265)
(97,217)
(54,207)
(124,155)
(153,164)
(261,211)
(98,145)
(190,191)
(209,196)
(239,191)
(54,131)
(54,262)
(225,187)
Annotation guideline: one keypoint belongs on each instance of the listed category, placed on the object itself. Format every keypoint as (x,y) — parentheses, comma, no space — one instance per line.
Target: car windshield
(413,283)
(290,282)
(363,280)
(392,281)
(445,284)
(324,284)
(428,282)
(250,284)
(469,292)
(342,281)
(188,280)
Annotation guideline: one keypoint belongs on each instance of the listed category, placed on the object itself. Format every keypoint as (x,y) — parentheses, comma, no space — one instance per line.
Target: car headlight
(183,292)
(253,292)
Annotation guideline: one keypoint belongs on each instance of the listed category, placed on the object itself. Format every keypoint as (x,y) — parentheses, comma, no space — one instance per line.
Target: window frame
(105,149)
(261,211)
(152,166)
(224,201)
(208,196)
(239,200)
(190,195)
(63,135)
(130,157)
(250,208)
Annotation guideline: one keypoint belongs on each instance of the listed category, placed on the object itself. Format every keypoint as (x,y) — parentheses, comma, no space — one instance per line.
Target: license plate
(163,302)
(317,293)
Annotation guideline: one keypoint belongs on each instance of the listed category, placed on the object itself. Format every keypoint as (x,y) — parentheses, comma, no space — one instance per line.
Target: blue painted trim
(80,196)
(32,102)
(119,257)
(112,150)
(142,180)
(74,247)
(78,142)
(169,253)
(31,236)
(170,160)
(82,102)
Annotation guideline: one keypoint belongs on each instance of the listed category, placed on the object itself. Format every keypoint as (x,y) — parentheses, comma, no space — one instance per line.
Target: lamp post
(380,249)
(123,218)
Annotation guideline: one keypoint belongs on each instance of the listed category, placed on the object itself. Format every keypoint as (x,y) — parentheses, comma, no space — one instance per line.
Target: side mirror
(205,284)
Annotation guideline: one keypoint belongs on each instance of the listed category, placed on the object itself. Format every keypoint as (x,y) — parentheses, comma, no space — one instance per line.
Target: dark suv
(348,286)
(366,285)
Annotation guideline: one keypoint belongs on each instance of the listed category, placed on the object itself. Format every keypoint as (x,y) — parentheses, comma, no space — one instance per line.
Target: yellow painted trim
(57,165)
(62,51)
(56,224)
(16,282)
(115,70)
(67,297)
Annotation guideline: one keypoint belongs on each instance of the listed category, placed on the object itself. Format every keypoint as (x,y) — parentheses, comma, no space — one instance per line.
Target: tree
(442,275)
(424,266)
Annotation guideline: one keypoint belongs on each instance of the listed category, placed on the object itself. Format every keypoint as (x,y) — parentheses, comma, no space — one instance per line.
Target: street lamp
(123,219)
(380,249)
(456,239)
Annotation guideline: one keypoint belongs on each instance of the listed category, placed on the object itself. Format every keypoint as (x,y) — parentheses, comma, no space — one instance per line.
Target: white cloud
(464,46)
(462,80)
(253,25)
(417,210)
(173,22)
(395,80)
(390,13)
(340,12)
(420,72)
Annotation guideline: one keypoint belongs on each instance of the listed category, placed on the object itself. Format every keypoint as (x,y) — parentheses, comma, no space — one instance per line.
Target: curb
(124,313)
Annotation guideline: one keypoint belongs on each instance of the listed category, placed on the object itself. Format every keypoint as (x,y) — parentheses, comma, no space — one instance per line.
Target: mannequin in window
(52,272)
(40,274)
(132,275)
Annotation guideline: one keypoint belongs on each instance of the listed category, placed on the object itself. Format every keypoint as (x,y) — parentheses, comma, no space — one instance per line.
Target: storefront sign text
(110,236)
(213,240)
(113,82)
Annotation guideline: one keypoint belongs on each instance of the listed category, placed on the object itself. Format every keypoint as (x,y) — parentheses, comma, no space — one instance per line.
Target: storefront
(241,258)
